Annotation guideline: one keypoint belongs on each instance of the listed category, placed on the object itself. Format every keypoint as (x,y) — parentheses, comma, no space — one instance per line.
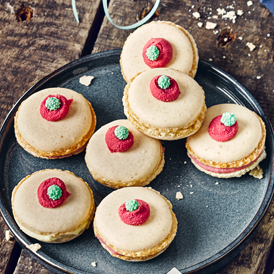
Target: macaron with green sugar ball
(230,143)
(118,155)
(52,205)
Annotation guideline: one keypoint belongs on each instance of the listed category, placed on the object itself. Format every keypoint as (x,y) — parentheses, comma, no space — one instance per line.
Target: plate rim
(250,229)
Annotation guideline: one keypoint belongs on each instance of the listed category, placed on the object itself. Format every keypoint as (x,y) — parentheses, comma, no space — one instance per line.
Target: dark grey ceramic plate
(216,217)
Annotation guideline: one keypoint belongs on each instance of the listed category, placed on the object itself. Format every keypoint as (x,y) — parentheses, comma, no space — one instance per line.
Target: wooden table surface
(44,36)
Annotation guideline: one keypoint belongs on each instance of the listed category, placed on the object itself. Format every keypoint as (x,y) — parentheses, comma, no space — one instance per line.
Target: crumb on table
(179,195)
(34,247)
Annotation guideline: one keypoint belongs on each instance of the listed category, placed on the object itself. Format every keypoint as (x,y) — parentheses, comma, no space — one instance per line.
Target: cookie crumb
(174,270)
(249,3)
(8,235)
(196,14)
(221,11)
(240,12)
(200,24)
(210,25)
(230,15)
(257,172)
(179,195)
(184,162)
(210,59)
(251,46)
(94,264)
(86,80)
(34,247)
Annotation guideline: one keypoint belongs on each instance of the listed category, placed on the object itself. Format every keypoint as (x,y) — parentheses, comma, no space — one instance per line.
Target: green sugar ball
(228,119)
(52,103)
(163,82)
(54,192)
(152,53)
(121,132)
(131,205)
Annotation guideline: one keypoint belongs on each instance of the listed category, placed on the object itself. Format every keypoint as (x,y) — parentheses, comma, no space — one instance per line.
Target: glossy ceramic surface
(216,217)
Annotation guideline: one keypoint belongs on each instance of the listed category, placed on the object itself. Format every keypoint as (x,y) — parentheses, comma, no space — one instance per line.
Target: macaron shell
(165,120)
(249,138)
(77,209)
(139,240)
(47,138)
(134,166)
(185,53)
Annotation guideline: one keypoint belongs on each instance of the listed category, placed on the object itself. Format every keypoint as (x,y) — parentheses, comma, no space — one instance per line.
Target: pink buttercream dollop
(116,145)
(43,197)
(136,217)
(58,114)
(165,54)
(165,95)
(219,132)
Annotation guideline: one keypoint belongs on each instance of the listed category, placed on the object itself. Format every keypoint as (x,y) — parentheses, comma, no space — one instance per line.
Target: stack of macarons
(159,61)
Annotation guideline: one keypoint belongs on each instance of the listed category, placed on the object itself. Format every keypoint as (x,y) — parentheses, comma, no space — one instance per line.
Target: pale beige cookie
(234,157)
(54,139)
(165,120)
(135,242)
(137,166)
(58,224)
(185,53)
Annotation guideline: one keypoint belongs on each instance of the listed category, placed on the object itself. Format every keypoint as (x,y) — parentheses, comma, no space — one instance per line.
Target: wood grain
(32,49)
(27,264)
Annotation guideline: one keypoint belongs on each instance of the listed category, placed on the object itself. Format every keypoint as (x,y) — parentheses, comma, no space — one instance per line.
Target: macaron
(230,143)
(54,123)
(52,205)
(165,104)
(159,44)
(118,155)
(135,223)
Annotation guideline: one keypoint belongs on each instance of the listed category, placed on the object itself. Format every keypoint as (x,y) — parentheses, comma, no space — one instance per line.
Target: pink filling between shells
(221,170)
(109,248)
